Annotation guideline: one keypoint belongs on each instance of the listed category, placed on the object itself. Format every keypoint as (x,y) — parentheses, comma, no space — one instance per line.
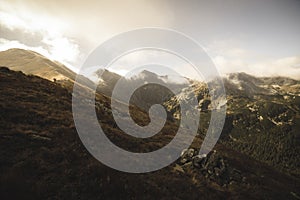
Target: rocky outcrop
(211,166)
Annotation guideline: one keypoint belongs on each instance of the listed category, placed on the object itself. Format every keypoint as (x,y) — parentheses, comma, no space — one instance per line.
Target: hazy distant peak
(242,76)
(148,73)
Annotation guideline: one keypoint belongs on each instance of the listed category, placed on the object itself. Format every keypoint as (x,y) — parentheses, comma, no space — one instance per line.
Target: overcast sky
(260,37)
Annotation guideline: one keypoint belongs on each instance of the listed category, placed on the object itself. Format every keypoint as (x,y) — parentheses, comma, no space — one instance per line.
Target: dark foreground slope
(41,156)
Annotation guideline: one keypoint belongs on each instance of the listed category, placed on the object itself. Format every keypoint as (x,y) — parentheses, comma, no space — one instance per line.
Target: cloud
(90,22)
(39,33)
(62,49)
(291,62)
(230,56)
(67,31)
(154,58)
(8,44)
(287,66)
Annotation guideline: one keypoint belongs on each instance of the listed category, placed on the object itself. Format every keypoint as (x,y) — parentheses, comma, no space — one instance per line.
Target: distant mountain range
(245,84)
(33,63)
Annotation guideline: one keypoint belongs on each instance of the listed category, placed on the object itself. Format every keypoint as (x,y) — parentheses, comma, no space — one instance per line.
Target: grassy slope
(42,157)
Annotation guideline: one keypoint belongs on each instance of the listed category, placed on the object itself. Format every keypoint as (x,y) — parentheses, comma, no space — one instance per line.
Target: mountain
(144,96)
(263,120)
(33,63)
(107,81)
(250,85)
(262,112)
(42,156)
(262,117)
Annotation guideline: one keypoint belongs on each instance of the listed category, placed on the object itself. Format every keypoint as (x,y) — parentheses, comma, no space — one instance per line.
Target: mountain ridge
(31,62)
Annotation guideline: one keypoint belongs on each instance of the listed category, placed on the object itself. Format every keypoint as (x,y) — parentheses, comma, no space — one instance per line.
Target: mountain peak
(31,62)
(148,73)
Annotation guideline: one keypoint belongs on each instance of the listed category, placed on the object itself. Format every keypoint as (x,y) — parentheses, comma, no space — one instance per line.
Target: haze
(259,37)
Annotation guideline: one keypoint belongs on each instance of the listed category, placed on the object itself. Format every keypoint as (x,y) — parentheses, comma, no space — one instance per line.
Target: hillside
(42,157)
(262,117)
(33,63)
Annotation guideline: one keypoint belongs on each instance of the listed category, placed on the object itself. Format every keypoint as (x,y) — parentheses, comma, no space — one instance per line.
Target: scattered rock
(212,166)
(187,155)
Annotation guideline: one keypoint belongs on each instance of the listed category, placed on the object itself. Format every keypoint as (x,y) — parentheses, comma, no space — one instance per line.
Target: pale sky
(260,37)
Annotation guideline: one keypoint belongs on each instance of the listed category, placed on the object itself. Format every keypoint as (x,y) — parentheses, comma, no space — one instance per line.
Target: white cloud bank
(229,57)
